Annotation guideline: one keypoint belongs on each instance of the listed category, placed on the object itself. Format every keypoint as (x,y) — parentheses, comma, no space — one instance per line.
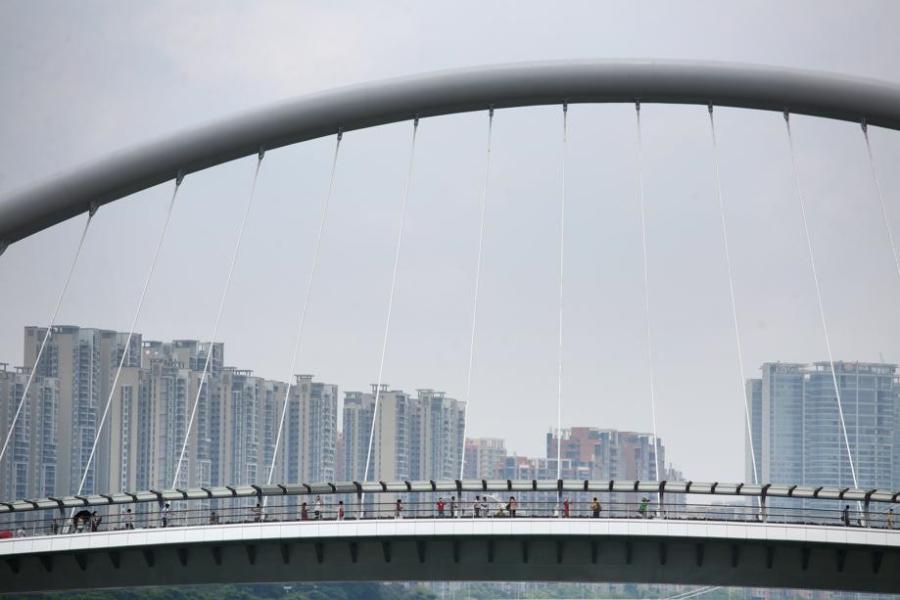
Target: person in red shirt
(440,507)
(566,508)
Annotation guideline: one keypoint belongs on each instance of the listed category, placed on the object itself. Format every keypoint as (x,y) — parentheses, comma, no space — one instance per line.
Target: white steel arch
(123,173)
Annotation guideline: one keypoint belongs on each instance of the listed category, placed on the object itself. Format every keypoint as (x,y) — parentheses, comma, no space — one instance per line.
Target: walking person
(80,520)
(213,518)
(595,508)
(642,508)
(257,512)
(129,519)
(566,513)
(164,516)
(95,521)
(304,513)
(440,508)
(398,509)
(453,506)
(476,507)
(513,506)
(317,511)
(845,515)
(890,518)
(340,514)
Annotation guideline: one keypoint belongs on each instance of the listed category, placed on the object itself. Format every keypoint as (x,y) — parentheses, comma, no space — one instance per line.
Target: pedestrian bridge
(691,533)
(499,549)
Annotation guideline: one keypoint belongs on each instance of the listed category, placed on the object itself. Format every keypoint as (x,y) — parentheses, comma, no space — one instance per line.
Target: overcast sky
(81,80)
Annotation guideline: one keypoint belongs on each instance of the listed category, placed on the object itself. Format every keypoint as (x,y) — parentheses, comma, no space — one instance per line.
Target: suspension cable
(387,323)
(137,313)
(307,296)
(812,264)
(54,314)
(884,211)
(562,262)
(646,272)
(734,313)
(484,193)
(209,353)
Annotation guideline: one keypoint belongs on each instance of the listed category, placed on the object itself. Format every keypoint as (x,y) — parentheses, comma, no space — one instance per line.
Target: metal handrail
(469,508)
(449,487)
(535,498)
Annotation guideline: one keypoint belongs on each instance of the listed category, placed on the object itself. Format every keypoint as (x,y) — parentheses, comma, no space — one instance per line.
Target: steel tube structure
(123,173)
(459,487)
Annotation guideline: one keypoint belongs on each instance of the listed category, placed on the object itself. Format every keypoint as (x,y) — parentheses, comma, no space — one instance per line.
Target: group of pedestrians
(483,506)
(319,510)
(845,518)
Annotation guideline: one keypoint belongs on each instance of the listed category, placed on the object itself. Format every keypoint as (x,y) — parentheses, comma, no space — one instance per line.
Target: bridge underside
(473,558)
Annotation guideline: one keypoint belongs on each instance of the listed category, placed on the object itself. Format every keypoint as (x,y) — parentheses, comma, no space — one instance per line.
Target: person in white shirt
(318,508)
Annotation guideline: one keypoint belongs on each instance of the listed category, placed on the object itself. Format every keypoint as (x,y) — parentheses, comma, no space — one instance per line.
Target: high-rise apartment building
(84,362)
(485,458)
(413,437)
(437,440)
(310,436)
(233,428)
(171,374)
(358,410)
(799,433)
(391,436)
(15,471)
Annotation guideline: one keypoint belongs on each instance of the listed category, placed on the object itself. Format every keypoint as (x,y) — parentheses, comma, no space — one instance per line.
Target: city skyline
(190,352)
(238,423)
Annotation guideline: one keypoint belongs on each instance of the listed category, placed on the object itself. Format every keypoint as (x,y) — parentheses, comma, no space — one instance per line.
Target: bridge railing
(431,500)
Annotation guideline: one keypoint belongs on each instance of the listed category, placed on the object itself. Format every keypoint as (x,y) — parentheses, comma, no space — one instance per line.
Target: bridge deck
(635,550)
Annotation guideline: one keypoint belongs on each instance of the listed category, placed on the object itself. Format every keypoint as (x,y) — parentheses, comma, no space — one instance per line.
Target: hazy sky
(81,80)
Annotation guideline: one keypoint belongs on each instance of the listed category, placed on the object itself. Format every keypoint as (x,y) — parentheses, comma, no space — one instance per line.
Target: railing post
(662,500)
(764,510)
(866,521)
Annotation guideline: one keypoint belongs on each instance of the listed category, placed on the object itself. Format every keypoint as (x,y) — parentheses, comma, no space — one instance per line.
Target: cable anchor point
(864,124)
(3,246)
(262,152)
(92,208)
(710,108)
(179,177)
(340,133)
